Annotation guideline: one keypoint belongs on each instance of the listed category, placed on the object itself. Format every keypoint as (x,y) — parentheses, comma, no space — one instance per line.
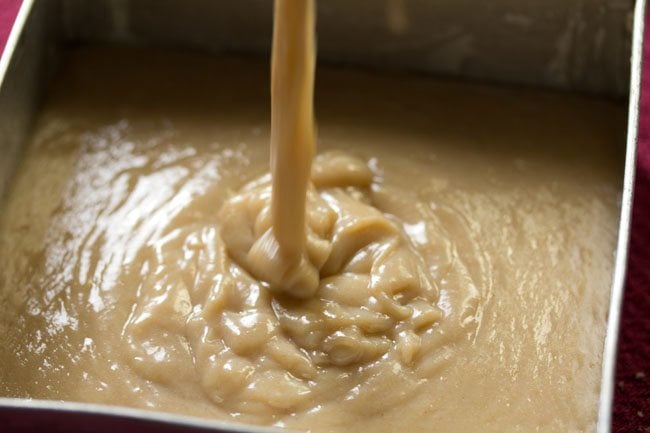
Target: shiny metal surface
(577,45)
(618,281)
(582,46)
(19,83)
(18,415)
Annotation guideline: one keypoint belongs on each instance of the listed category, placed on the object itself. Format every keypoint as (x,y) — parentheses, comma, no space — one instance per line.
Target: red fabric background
(632,399)
(8,11)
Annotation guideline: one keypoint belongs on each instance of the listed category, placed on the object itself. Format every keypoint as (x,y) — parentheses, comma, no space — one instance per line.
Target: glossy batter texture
(124,276)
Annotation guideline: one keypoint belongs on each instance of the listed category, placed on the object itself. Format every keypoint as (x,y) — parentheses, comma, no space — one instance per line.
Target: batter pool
(459,248)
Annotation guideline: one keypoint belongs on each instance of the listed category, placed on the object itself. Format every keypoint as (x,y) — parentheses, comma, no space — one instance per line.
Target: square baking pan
(591,46)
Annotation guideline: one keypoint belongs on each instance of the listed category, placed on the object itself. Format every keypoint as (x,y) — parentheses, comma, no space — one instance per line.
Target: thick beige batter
(278,254)
(499,208)
(340,283)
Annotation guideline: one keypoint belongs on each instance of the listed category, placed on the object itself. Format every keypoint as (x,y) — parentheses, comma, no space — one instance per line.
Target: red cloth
(632,399)
(8,11)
